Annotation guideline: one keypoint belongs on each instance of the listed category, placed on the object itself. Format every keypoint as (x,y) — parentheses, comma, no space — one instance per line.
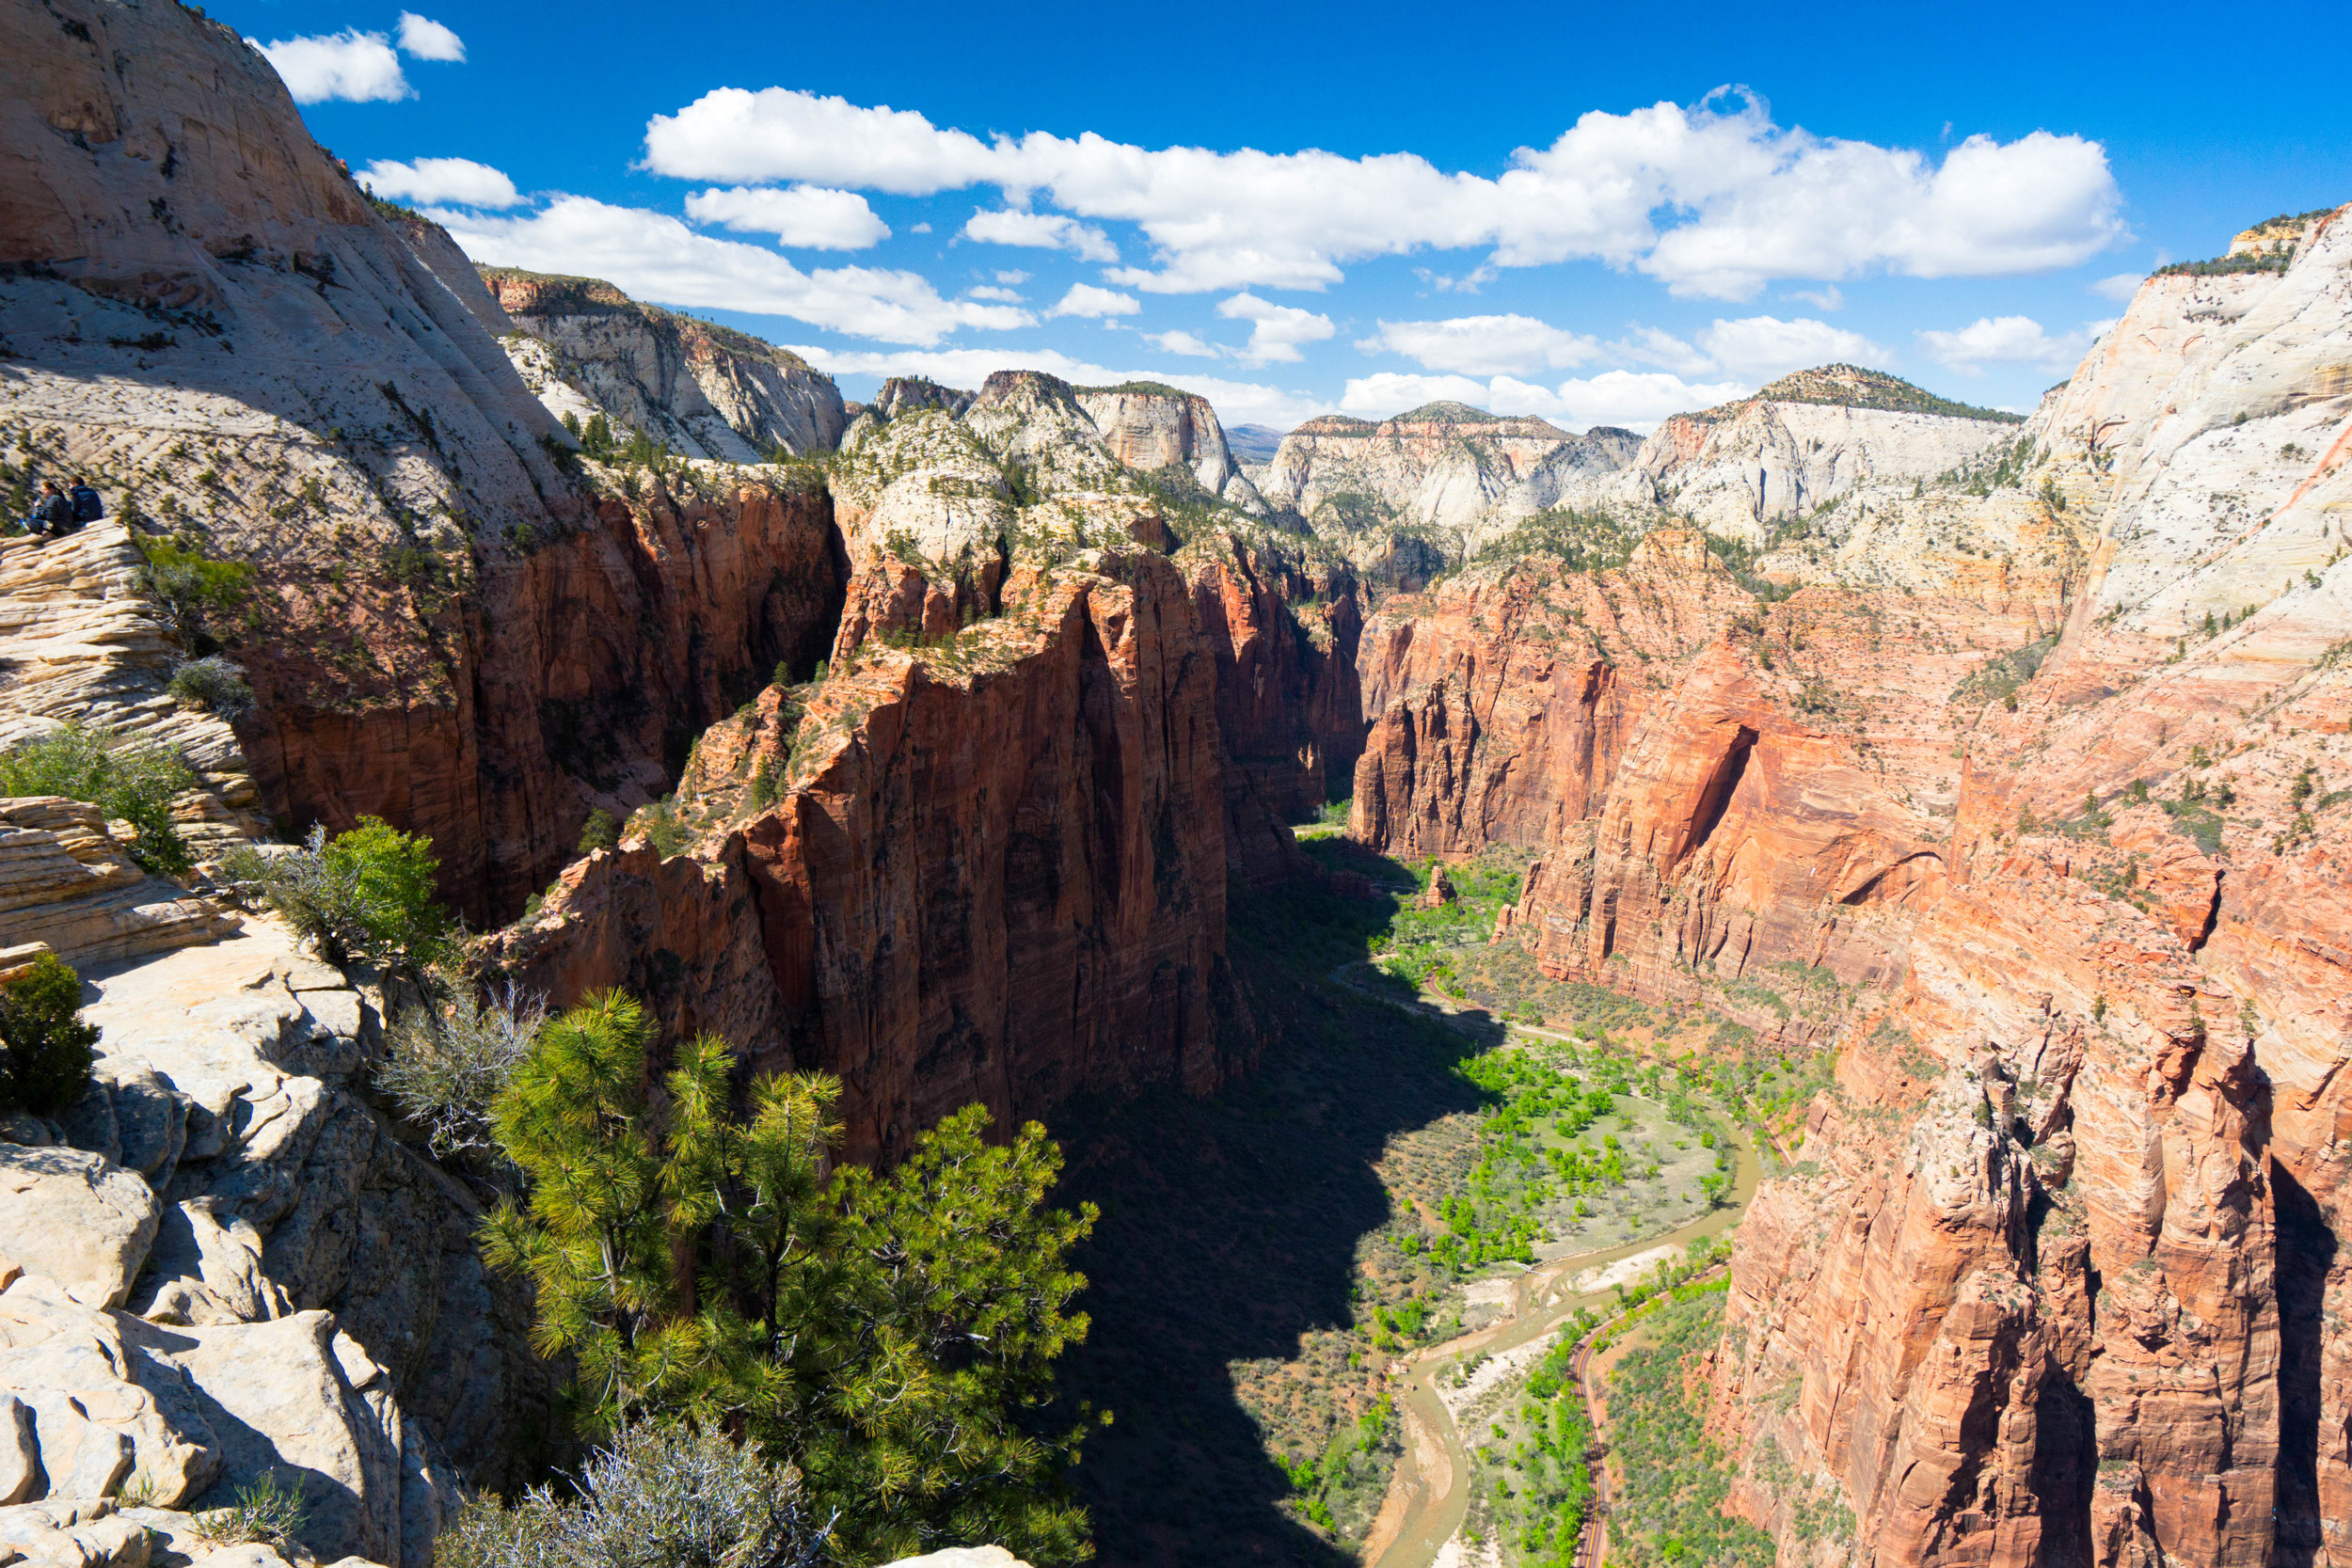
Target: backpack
(86,508)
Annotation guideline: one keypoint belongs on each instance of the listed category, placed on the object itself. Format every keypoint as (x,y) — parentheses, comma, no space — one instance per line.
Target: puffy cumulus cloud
(1185,344)
(1235,401)
(1715,199)
(350,67)
(1483,346)
(1042,232)
(1012,279)
(1761,347)
(1632,400)
(809,216)
(654,256)
(2121,287)
(1828,297)
(428,39)
(1275,330)
(988,290)
(2009,340)
(1085,299)
(459,182)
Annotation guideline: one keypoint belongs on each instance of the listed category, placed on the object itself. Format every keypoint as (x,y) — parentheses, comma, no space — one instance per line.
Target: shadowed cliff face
(996,871)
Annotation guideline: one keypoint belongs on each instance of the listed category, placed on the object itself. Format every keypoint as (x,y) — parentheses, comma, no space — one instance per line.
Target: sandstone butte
(966,735)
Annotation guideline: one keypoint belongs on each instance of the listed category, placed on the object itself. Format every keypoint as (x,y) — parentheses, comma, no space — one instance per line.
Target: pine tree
(891,1335)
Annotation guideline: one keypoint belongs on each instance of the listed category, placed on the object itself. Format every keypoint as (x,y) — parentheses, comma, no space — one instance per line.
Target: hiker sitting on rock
(53,515)
(87,507)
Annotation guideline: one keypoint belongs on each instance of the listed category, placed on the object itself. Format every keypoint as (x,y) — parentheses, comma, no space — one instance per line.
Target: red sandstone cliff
(996,871)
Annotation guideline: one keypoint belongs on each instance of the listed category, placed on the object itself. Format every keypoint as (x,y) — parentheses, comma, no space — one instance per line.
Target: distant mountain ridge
(1856,386)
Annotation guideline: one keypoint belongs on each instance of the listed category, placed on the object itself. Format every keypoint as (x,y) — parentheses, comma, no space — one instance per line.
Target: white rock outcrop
(708,391)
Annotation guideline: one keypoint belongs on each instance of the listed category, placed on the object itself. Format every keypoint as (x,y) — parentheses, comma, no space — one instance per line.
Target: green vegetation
(447,1059)
(367,895)
(2195,820)
(1852,387)
(46,1048)
(263,1511)
(602,831)
(890,1336)
(1671,1503)
(662,823)
(213,684)
(127,780)
(1583,541)
(201,595)
(661,1494)
(1999,678)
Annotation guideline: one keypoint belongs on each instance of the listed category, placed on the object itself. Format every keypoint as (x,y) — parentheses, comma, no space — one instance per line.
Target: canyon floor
(1261,1283)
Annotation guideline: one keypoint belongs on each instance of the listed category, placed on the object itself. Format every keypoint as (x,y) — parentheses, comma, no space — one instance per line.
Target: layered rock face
(1152,428)
(1504,700)
(1806,440)
(1445,466)
(995,871)
(280,378)
(711,391)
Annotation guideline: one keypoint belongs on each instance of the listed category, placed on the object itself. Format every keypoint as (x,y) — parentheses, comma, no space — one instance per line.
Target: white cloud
(1829,296)
(988,290)
(442,179)
(1761,347)
(428,39)
(1235,401)
(1185,344)
(1085,299)
(920,229)
(1650,345)
(1012,279)
(350,66)
(655,256)
(806,215)
(1042,232)
(1483,346)
(2007,340)
(1633,400)
(2121,287)
(1276,330)
(1742,200)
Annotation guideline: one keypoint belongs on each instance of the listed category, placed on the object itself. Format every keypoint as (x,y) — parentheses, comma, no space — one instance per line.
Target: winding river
(1427,1496)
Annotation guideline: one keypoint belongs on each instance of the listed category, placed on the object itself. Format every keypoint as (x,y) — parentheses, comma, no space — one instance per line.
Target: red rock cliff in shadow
(996,871)
(1282,622)
(1505,697)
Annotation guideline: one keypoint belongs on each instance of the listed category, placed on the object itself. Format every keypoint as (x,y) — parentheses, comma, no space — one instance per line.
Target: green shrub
(213,684)
(46,1048)
(198,592)
(260,1511)
(444,1063)
(131,781)
(368,894)
(662,1495)
(602,831)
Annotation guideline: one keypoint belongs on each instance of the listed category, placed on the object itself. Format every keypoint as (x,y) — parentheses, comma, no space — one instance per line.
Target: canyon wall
(993,871)
(2048,772)
(584,347)
(451,622)
(1806,440)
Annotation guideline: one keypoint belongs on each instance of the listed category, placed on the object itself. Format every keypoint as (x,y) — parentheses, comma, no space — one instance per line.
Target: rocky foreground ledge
(221,1266)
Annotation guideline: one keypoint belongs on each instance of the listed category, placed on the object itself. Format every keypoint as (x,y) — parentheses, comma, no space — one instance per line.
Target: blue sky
(1555,212)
